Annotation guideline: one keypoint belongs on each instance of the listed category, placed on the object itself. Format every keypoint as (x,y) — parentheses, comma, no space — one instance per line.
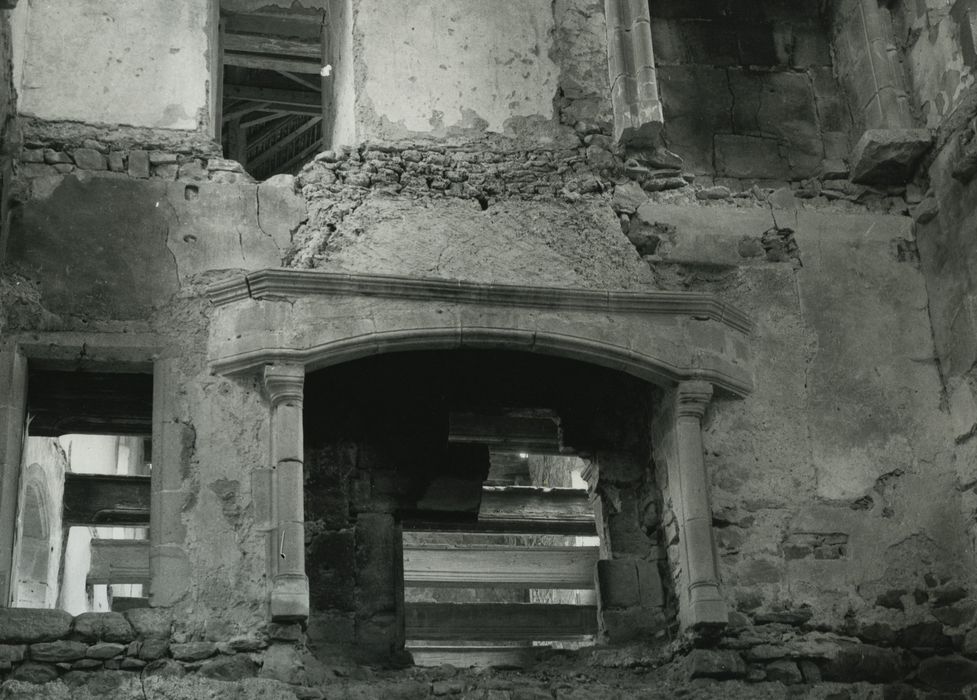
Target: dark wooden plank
(535,504)
(297,98)
(267,155)
(97,499)
(499,621)
(497,566)
(476,657)
(119,561)
(274,45)
(512,433)
(123,603)
(499,526)
(89,402)
(274,63)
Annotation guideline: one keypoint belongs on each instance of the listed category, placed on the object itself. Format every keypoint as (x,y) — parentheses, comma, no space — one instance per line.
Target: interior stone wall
(842,490)
(748,88)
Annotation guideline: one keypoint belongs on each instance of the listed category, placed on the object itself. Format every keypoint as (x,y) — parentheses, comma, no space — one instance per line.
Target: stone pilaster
(631,61)
(13,402)
(168,562)
(704,603)
(284,384)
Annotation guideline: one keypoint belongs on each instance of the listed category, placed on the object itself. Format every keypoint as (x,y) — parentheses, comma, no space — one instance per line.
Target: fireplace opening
(480,507)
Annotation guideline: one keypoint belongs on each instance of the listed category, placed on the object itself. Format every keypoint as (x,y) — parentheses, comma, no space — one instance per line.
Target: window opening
(83,517)
(521,575)
(274,98)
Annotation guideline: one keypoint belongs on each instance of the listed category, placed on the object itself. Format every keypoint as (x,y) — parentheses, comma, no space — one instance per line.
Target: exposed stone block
(32,625)
(229,668)
(150,622)
(61,650)
(153,648)
(162,158)
(107,626)
(12,652)
(784,671)
(750,157)
(31,672)
(193,651)
(104,650)
(947,672)
(721,665)
(52,157)
(617,581)
(139,164)
(649,584)
(89,159)
(117,161)
(864,662)
(888,156)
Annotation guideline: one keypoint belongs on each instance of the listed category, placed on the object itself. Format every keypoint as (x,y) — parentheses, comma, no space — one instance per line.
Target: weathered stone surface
(150,622)
(628,197)
(229,668)
(281,208)
(104,626)
(139,164)
(888,156)
(721,665)
(617,580)
(864,662)
(61,650)
(784,671)
(947,672)
(104,650)
(89,159)
(165,668)
(12,652)
(32,625)
(193,651)
(31,672)
(153,648)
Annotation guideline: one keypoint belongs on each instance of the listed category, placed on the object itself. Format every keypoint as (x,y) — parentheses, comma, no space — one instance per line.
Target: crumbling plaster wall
(460,68)
(835,487)
(115,63)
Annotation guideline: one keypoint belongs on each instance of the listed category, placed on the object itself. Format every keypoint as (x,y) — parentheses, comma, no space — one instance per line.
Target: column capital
(284,382)
(692,398)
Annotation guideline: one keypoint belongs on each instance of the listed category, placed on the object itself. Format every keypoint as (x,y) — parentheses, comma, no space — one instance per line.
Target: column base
(290,599)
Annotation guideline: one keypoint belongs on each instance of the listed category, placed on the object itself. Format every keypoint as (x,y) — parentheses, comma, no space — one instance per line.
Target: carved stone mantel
(284,323)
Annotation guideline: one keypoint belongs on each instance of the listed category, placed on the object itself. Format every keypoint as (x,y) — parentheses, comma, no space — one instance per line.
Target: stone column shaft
(284,384)
(706,605)
(13,404)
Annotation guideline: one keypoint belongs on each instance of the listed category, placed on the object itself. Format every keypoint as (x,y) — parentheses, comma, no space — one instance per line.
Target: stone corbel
(634,88)
(705,606)
(284,384)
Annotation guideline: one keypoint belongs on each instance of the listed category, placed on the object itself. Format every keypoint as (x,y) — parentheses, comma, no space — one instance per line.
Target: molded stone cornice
(285,283)
(314,319)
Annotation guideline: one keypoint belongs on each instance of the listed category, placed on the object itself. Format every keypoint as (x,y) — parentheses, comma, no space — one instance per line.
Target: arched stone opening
(38,535)
(407,442)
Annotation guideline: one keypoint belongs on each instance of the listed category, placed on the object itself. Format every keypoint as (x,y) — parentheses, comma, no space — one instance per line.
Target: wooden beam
(304,155)
(498,566)
(89,402)
(274,63)
(513,433)
(101,499)
(419,523)
(475,657)
(301,81)
(297,98)
(119,561)
(247,108)
(264,44)
(268,154)
(534,504)
(248,123)
(499,621)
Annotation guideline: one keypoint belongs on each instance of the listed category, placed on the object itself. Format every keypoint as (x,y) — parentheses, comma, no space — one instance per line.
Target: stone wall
(748,89)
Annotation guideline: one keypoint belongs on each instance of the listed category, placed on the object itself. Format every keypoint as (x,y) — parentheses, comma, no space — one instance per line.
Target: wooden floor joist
(485,622)
(101,499)
(534,504)
(119,561)
(497,566)
(477,657)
